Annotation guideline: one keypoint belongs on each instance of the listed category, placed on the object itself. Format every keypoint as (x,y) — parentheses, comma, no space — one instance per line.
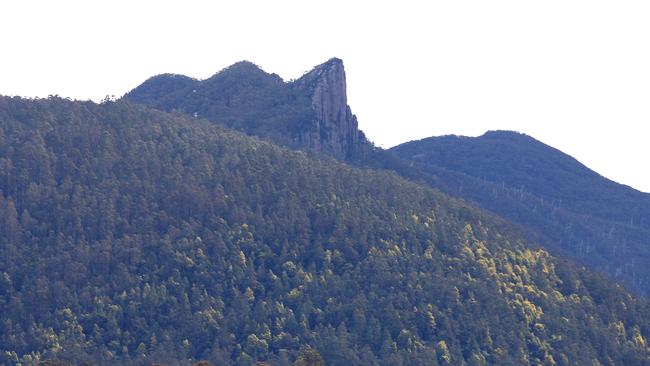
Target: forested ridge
(309,112)
(242,97)
(132,236)
(575,211)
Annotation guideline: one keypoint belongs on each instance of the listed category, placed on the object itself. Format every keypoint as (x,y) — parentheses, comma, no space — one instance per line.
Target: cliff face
(335,129)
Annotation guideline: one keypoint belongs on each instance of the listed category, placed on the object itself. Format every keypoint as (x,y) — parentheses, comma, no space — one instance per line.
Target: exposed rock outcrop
(335,129)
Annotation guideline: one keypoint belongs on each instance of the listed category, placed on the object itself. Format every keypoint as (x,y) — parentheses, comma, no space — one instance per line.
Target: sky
(573,74)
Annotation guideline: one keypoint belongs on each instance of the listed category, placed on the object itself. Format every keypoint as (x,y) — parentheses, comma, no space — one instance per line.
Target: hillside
(572,210)
(575,211)
(131,236)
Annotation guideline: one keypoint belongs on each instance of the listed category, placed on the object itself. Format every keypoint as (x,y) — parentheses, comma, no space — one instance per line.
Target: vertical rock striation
(335,129)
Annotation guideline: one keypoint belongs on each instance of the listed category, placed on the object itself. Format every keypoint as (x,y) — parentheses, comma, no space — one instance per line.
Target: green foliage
(309,357)
(131,236)
(242,97)
(55,362)
(574,210)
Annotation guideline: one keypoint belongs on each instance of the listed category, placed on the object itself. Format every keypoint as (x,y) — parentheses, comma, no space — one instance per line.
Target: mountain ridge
(319,116)
(606,220)
(580,213)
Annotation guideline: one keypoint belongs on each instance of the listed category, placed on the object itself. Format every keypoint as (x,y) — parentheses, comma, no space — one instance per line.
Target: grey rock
(334,130)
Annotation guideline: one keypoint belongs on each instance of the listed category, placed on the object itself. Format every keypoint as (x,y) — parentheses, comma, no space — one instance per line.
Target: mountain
(132,236)
(573,209)
(311,112)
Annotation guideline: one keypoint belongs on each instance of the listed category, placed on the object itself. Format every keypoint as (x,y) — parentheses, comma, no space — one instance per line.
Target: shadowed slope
(575,210)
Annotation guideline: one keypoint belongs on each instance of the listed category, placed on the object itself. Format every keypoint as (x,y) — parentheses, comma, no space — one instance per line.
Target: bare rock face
(334,130)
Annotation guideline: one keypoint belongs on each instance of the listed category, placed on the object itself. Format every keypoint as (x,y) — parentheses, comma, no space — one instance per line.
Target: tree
(55,362)
(202,363)
(309,357)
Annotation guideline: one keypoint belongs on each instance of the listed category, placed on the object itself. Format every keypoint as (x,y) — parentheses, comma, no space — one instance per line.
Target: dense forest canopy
(571,209)
(575,211)
(242,97)
(132,236)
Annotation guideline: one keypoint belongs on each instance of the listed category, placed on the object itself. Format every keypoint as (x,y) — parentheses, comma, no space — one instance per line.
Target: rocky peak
(334,129)
(331,72)
(311,112)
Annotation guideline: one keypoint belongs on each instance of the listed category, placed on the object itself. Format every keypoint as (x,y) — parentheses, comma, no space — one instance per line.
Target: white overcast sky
(573,74)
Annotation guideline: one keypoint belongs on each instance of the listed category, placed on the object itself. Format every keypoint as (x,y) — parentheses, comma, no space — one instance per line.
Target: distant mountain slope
(132,236)
(602,223)
(311,112)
